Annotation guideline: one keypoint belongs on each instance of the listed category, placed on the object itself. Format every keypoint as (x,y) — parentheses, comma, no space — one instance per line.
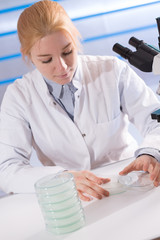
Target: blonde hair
(41,19)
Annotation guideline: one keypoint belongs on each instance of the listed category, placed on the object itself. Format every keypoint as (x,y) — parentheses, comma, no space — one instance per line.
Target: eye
(49,60)
(67,53)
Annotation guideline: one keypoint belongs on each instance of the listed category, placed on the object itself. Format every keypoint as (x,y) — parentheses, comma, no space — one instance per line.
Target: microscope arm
(156,65)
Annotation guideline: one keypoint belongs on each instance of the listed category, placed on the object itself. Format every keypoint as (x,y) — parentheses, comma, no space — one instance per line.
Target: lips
(64,75)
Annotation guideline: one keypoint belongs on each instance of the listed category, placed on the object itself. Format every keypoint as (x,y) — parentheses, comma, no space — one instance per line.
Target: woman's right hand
(88,183)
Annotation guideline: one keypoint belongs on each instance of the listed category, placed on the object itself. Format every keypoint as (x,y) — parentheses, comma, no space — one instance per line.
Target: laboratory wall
(102,23)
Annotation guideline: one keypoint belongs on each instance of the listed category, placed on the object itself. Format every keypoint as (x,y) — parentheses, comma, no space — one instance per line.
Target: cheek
(74,60)
(43,67)
(44,70)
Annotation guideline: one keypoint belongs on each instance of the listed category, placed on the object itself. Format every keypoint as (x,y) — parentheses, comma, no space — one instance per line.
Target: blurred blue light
(19,7)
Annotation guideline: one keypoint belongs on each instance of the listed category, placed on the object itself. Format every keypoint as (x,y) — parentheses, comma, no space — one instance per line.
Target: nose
(60,64)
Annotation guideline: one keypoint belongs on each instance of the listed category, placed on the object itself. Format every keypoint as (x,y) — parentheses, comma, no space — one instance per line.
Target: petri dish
(114,186)
(137,180)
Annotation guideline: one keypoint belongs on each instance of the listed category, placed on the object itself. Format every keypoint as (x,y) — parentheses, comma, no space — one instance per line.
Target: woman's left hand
(145,163)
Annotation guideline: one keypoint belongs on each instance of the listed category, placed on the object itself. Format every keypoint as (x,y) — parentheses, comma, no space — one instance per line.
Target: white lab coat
(109,93)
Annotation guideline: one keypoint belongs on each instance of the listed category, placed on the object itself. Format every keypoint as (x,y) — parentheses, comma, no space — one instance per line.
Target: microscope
(146,58)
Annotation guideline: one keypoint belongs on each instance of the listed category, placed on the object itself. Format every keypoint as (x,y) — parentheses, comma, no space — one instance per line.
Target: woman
(72,109)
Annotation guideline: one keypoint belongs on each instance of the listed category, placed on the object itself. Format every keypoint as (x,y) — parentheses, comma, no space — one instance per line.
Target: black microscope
(146,58)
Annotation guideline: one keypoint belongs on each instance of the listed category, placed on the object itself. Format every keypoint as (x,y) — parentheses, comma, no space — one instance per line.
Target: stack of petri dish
(60,204)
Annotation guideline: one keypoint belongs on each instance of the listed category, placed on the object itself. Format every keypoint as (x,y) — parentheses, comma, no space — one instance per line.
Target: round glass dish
(137,180)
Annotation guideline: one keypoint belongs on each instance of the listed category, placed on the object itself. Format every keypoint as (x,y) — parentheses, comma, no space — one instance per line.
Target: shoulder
(102,64)
(26,81)
(19,90)
(109,62)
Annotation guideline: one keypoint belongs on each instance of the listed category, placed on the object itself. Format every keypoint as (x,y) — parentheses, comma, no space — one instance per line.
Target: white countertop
(132,215)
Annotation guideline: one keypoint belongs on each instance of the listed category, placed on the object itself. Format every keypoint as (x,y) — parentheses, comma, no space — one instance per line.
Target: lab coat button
(83,135)
(54,103)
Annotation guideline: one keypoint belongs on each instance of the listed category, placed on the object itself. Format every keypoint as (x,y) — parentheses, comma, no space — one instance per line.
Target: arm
(138,102)
(16,173)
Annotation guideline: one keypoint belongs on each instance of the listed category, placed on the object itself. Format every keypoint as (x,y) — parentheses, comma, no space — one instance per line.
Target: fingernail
(99,196)
(106,194)
(156,184)
(151,177)
(100,182)
(90,199)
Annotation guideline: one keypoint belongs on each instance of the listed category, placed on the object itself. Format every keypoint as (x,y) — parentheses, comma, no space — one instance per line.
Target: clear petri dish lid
(114,186)
(54,180)
(138,180)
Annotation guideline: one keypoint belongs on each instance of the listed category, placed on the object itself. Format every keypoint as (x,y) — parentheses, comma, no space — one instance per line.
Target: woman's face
(55,57)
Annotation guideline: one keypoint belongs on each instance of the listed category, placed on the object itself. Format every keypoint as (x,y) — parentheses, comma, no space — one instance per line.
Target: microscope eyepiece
(135,42)
(144,55)
(140,45)
(158,26)
(122,51)
(141,59)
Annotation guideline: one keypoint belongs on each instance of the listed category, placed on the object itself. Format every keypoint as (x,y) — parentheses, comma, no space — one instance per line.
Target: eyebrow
(47,55)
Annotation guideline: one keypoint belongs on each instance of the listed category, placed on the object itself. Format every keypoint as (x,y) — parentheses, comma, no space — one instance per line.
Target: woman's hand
(145,163)
(88,183)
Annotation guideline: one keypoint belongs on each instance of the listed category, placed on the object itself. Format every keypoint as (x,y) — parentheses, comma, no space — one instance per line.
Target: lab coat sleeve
(138,101)
(16,173)
(148,151)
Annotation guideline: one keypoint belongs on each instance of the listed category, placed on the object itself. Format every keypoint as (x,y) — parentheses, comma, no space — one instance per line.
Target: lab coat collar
(57,89)
(41,86)
(54,88)
(78,78)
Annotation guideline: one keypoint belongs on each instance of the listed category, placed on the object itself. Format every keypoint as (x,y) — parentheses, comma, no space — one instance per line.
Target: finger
(98,189)
(139,165)
(93,177)
(127,169)
(83,197)
(92,189)
(157,182)
(105,180)
(155,172)
(146,165)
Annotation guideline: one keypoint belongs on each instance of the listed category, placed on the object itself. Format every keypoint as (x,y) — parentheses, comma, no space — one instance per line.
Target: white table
(132,215)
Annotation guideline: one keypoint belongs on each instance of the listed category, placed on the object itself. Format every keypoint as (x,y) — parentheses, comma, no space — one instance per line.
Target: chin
(66,81)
